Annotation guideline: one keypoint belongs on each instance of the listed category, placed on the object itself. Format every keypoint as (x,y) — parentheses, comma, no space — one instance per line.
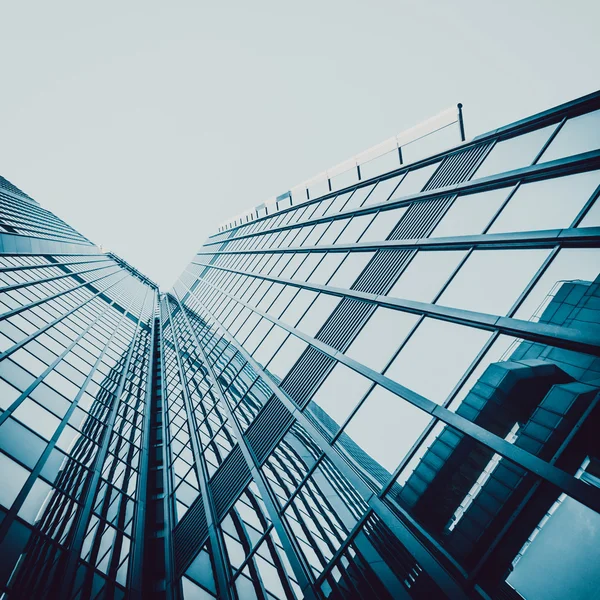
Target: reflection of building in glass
(381,385)
(541,399)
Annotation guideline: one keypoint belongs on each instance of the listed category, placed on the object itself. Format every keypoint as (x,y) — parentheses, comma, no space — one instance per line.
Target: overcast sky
(147,124)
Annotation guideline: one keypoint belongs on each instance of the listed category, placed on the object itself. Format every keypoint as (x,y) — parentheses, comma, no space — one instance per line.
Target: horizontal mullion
(586,161)
(565,337)
(572,237)
(577,489)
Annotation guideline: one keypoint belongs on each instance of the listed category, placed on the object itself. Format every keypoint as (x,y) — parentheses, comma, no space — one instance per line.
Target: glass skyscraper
(384,383)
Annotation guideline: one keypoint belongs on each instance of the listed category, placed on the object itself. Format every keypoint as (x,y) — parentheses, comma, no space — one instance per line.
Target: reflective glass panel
(470,214)
(385,427)
(549,204)
(350,269)
(579,134)
(570,264)
(435,358)
(425,275)
(383,224)
(490,281)
(514,153)
(415,181)
(318,313)
(381,337)
(337,396)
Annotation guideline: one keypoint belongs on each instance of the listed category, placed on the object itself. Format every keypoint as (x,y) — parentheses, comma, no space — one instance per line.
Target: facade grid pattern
(387,391)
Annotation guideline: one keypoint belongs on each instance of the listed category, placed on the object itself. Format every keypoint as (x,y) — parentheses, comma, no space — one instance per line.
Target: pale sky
(147,124)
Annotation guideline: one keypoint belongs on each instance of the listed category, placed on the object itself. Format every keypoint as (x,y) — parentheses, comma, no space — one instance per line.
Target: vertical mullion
(215,536)
(90,495)
(257,475)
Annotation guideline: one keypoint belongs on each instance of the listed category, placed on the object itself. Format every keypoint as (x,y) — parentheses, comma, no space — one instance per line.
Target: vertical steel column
(461,123)
(137,559)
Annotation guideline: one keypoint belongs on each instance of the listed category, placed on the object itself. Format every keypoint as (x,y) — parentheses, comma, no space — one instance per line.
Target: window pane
(34,500)
(8,394)
(559,561)
(298,306)
(580,134)
(354,229)
(318,313)
(350,269)
(286,357)
(329,263)
(383,191)
(514,153)
(381,337)
(570,264)
(385,427)
(14,477)
(21,443)
(383,224)
(592,217)
(415,181)
(37,418)
(549,204)
(435,358)
(337,397)
(270,345)
(470,214)
(490,281)
(425,275)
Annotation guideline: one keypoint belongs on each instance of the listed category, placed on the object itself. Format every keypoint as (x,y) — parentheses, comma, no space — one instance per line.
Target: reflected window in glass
(570,264)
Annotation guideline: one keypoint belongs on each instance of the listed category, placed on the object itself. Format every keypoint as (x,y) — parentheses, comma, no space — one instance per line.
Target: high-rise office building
(382,384)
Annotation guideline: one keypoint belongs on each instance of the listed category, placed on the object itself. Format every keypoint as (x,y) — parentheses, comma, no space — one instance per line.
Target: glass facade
(387,391)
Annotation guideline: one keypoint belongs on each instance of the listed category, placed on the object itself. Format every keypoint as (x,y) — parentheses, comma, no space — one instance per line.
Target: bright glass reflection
(377,341)
(490,281)
(385,427)
(435,358)
(470,214)
(549,204)
(337,396)
(514,153)
(579,134)
(425,275)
